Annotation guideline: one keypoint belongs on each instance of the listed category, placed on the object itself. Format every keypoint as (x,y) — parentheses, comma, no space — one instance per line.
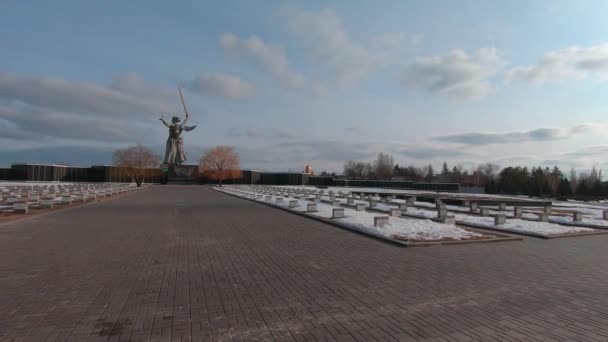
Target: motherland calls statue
(174,153)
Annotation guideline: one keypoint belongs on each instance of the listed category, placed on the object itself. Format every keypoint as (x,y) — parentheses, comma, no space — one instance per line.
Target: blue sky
(295,83)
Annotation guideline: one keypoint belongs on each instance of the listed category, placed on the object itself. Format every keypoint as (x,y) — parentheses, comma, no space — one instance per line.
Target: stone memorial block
(547,209)
(360,207)
(473,207)
(279,200)
(337,213)
(500,219)
(311,207)
(66,199)
(517,212)
(502,206)
(47,202)
(350,200)
(484,212)
(20,207)
(543,217)
(293,203)
(438,203)
(373,203)
(465,203)
(605,213)
(577,216)
(442,211)
(395,212)
(380,221)
(12,198)
(335,203)
(403,206)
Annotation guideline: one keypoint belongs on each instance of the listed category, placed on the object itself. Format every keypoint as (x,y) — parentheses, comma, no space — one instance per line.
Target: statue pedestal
(180,174)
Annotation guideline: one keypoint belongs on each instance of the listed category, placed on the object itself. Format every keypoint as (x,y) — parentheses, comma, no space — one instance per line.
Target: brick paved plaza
(189,263)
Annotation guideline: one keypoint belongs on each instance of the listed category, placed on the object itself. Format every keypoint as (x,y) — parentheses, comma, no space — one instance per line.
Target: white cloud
(457,74)
(227,86)
(323,35)
(271,57)
(539,134)
(571,63)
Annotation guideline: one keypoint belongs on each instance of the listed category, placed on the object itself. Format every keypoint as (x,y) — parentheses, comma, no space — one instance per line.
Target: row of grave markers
(314,196)
(442,212)
(20,198)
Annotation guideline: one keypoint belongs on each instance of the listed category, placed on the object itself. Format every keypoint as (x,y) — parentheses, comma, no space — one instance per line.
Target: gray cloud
(80,97)
(260,133)
(592,151)
(271,57)
(540,134)
(565,64)
(227,86)
(356,130)
(36,123)
(456,74)
(429,152)
(43,112)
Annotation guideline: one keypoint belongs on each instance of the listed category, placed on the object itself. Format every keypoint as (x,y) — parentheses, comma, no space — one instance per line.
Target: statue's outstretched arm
(164,122)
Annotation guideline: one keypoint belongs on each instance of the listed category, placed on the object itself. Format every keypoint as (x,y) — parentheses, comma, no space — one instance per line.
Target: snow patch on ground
(523,226)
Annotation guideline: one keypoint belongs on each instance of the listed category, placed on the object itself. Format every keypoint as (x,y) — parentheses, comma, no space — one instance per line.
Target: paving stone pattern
(181,263)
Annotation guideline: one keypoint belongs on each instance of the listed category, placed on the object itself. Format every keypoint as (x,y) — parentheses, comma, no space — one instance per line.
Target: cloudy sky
(308,82)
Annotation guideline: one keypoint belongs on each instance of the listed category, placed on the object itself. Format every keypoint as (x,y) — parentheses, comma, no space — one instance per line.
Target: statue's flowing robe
(174,153)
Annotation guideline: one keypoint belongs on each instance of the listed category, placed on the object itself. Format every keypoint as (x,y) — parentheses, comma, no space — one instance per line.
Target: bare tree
(384,166)
(221,163)
(489,170)
(349,169)
(366,170)
(135,160)
(355,169)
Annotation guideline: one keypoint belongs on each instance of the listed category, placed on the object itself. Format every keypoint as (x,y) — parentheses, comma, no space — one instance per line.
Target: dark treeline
(514,180)
(548,182)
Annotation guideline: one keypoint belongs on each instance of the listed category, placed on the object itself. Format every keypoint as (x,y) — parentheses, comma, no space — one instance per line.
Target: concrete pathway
(187,263)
